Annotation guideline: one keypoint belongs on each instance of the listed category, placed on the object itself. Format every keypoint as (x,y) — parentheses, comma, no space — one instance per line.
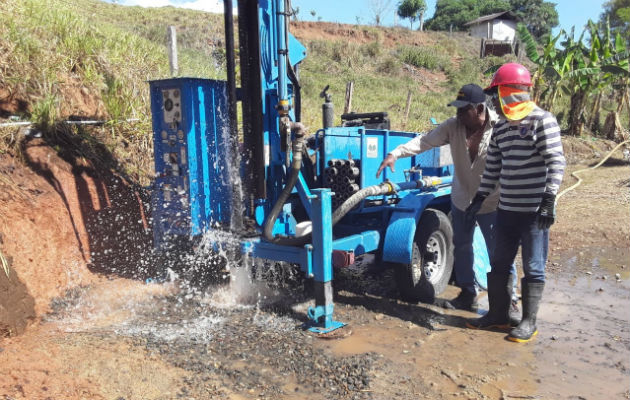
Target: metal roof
(503,14)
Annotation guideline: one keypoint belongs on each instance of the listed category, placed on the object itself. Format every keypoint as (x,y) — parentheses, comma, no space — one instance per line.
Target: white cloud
(213,6)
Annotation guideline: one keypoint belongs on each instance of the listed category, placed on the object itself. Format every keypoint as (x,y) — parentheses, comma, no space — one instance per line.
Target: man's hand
(547,211)
(472,210)
(387,162)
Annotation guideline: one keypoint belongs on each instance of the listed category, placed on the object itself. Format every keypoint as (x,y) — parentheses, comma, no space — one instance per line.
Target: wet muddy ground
(122,339)
(129,340)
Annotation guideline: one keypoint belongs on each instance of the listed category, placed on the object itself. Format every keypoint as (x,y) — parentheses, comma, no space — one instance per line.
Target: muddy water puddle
(581,352)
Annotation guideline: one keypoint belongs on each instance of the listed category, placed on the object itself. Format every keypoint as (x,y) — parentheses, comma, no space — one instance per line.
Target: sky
(571,12)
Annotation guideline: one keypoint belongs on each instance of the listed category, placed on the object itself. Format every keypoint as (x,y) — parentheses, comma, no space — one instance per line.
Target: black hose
(296,165)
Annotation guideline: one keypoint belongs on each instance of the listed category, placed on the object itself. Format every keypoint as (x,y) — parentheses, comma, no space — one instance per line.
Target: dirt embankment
(64,223)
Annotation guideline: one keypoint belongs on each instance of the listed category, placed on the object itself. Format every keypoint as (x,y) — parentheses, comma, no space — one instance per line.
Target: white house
(498,26)
(497,32)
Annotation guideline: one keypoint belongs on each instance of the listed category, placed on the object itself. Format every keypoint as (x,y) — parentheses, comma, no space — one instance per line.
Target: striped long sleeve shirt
(527,159)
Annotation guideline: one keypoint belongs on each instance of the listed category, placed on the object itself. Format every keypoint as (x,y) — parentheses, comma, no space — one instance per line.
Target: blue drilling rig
(311,201)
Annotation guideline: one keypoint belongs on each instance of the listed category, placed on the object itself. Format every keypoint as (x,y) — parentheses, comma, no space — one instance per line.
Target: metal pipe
(237,206)
(283,93)
(230,64)
(252,106)
(90,122)
(426,182)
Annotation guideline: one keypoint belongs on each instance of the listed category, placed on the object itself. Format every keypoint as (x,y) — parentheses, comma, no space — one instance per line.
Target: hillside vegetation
(85,58)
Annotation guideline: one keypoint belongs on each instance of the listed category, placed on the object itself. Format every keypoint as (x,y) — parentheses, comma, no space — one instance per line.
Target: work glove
(547,211)
(389,161)
(472,210)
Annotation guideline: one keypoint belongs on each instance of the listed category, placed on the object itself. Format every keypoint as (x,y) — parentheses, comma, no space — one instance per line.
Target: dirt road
(116,338)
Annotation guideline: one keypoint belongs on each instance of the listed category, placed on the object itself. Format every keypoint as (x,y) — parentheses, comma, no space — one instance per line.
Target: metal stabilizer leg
(321,316)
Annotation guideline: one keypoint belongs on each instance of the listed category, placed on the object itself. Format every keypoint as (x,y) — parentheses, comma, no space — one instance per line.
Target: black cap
(468,94)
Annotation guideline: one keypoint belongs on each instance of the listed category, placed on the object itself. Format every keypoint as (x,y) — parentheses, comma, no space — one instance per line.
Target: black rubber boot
(526,330)
(514,312)
(499,301)
(465,300)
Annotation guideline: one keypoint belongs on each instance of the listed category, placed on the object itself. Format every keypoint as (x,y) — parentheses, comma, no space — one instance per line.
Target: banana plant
(552,65)
(583,78)
(618,67)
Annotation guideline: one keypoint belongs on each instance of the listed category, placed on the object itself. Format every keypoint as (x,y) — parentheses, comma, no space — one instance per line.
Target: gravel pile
(262,353)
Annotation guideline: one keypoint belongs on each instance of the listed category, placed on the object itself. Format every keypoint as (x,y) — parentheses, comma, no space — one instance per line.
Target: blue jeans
(514,228)
(463,248)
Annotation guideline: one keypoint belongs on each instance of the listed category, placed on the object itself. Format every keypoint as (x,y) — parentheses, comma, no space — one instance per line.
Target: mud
(126,339)
(110,334)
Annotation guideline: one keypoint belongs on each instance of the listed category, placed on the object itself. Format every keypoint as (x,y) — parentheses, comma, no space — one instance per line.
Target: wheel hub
(434,257)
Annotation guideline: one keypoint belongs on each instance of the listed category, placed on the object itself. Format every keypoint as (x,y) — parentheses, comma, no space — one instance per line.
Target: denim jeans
(514,228)
(463,248)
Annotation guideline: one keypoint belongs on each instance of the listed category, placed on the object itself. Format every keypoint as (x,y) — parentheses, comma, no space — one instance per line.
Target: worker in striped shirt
(525,156)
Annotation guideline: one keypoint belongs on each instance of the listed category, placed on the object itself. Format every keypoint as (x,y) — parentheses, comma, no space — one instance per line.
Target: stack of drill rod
(342,177)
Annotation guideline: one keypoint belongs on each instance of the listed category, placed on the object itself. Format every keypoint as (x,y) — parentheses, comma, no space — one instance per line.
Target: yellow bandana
(515,103)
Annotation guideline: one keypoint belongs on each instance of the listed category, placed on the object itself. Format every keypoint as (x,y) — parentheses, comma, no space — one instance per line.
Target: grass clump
(424,57)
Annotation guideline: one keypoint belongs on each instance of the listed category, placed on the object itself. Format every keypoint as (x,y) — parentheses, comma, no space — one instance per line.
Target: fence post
(407,108)
(349,90)
(172,50)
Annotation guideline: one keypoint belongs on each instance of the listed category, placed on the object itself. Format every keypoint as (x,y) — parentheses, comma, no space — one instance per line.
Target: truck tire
(431,262)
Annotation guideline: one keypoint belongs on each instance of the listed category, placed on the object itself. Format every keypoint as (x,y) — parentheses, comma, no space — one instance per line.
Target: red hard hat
(511,74)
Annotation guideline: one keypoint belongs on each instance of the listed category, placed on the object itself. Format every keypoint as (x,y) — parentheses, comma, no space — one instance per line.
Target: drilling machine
(314,202)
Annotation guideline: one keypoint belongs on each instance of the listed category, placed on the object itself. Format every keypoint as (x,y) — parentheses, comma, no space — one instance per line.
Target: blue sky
(571,12)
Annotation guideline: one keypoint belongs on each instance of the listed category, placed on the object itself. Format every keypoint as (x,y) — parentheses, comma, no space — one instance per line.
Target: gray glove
(472,210)
(547,211)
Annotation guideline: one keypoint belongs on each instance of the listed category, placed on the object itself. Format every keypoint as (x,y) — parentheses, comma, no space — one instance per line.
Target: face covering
(515,103)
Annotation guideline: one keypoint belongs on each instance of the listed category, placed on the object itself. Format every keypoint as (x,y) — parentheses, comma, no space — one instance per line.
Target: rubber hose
(349,204)
(574,174)
(296,165)
(352,201)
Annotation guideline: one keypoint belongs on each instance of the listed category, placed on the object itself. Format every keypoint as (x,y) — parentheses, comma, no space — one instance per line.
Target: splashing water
(194,295)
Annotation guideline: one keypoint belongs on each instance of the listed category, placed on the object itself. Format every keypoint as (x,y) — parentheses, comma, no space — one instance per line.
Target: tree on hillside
(412,9)
(457,13)
(539,16)
(378,8)
(617,13)
(487,7)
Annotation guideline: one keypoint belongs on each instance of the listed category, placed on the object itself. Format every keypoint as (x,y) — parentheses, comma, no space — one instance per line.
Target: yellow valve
(391,188)
(283,107)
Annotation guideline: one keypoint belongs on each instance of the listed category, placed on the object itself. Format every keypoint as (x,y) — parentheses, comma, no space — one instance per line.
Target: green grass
(108,50)
(380,81)
(112,51)
(425,57)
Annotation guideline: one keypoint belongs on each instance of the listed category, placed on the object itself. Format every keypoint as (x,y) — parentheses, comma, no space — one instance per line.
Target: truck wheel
(431,262)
